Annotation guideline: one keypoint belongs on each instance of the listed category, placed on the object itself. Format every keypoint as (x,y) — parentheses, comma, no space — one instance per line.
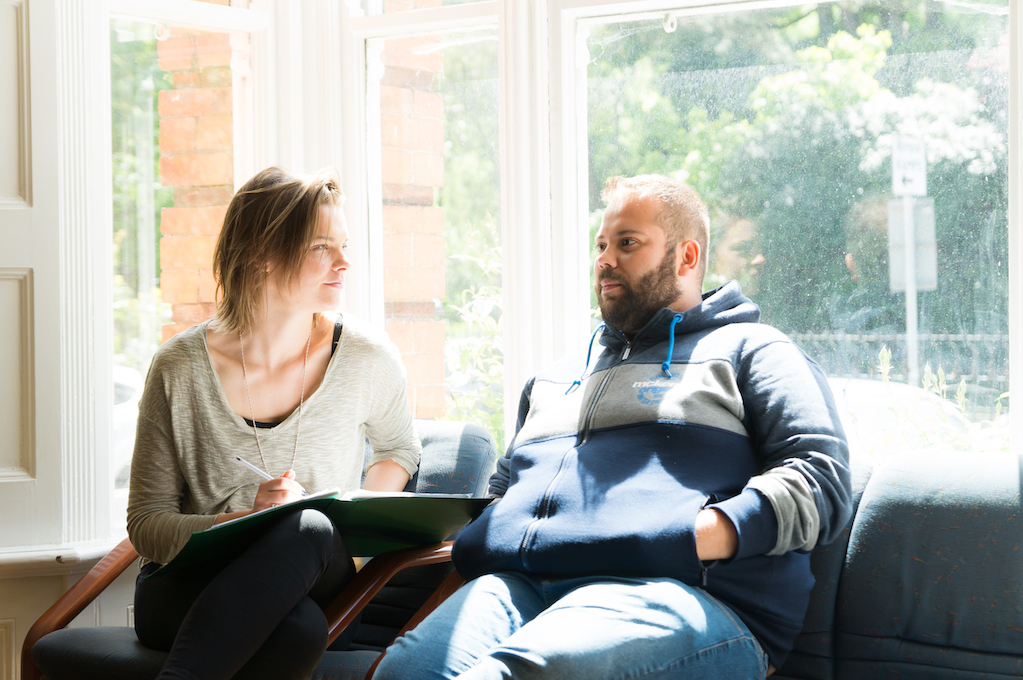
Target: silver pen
(261,473)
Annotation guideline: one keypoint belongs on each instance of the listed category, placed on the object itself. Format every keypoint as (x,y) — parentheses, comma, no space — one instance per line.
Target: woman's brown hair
(268,228)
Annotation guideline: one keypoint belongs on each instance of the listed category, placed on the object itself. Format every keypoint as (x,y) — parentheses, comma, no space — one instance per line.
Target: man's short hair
(269,226)
(683,216)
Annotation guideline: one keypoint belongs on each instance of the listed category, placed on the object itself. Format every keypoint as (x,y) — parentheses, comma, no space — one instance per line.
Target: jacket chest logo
(651,392)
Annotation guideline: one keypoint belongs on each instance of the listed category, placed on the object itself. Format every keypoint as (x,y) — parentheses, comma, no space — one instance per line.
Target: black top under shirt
(333,346)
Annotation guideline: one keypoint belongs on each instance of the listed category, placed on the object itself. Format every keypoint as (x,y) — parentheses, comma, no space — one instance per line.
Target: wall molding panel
(17,342)
(15,110)
(7,650)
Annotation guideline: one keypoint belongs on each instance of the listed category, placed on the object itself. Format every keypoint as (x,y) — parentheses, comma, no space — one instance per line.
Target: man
(659,500)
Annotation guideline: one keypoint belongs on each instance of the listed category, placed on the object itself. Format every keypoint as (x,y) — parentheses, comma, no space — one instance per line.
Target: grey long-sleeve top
(184,472)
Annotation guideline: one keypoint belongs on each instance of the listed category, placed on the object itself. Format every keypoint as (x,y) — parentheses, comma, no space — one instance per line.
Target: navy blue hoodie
(614,457)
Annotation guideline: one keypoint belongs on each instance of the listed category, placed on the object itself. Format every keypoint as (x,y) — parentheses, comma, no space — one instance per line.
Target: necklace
(301,401)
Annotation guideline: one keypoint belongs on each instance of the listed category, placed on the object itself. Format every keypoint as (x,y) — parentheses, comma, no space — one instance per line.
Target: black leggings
(255,617)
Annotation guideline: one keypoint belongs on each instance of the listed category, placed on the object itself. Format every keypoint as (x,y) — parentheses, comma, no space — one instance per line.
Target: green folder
(368,525)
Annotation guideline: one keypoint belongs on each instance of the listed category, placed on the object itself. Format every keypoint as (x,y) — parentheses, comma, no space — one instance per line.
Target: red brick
(398,250)
(406,194)
(422,134)
(207,286)
(396,166)
(429,250)
(402,334)
(430,401)
(176,54)
(184,79)
(411,78)
(406,309)
(395,99)
(177,134)
(214,132)
(413,283)
(172,329)
(206,221)
(189,313)
(213,49)
(425,369)
(186,252)
(204,101)
(419,54)
(428,169)
(217,76)
(198,169)
(390,130)
(430,336)
(416,219)
(427,104)
(203,196)
(179,286)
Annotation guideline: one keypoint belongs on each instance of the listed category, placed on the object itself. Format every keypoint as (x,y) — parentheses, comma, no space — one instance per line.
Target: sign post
(909,179)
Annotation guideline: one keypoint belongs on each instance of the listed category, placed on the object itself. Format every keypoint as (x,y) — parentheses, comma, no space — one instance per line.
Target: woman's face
(321,278)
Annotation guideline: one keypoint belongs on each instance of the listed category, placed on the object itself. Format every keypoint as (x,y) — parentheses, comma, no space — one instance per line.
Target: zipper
(596,396)
(541,513)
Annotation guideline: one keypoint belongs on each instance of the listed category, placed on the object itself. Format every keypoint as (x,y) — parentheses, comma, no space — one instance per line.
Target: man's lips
(609,284)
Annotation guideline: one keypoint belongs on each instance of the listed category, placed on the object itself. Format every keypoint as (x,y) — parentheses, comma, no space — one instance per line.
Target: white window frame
(543,164)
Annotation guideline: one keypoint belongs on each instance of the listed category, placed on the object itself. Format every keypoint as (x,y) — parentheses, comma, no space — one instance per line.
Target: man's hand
(716,538)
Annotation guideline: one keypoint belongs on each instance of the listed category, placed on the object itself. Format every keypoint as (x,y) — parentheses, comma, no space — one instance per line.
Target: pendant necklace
(301,401)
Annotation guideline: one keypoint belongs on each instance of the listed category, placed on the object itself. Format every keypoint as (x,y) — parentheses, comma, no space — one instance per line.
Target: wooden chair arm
(74,601)
(374,576)
(446,589)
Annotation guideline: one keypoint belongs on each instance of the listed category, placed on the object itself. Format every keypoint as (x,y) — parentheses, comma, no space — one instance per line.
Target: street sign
(926,259)
(909,166)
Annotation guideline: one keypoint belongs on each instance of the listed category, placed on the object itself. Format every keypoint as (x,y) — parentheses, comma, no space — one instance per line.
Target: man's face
(634,273)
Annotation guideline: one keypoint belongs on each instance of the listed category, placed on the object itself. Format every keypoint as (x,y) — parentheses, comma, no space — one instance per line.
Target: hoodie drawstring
(589,351)
(666,366)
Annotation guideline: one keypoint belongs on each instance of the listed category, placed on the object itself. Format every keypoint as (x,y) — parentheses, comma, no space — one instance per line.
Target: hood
(721,306)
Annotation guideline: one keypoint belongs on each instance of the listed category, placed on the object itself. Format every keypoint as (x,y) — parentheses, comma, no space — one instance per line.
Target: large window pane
(174,92)
(784,121)
(440,194)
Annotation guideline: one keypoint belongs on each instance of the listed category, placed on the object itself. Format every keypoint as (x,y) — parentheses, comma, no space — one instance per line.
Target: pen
(252,467)
(255,469)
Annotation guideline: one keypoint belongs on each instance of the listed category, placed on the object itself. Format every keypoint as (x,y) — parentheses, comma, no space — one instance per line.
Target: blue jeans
(509,625)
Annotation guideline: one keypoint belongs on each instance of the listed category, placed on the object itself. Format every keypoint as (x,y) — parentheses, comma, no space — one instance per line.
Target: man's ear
(687,254)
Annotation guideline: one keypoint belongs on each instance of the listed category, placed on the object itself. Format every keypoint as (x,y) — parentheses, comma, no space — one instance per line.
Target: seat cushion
(115,653)
(102,653)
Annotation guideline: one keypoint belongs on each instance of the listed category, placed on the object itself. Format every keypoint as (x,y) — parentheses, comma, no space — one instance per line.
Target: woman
(272,380)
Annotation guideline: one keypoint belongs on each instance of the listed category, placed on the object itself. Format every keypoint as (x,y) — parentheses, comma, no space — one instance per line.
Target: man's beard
(634,307)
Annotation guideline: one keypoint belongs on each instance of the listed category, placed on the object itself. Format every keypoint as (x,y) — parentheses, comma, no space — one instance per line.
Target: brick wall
(412,141)
(197,160)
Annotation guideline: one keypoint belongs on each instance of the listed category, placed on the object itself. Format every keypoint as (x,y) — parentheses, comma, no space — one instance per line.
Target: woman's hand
(278,491)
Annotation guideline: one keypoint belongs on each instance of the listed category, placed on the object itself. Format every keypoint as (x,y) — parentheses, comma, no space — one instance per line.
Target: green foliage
(476,388)
(138,198)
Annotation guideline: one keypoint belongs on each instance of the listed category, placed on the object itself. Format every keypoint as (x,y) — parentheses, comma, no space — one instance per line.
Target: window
(432,104)
(785,120)
(181,114)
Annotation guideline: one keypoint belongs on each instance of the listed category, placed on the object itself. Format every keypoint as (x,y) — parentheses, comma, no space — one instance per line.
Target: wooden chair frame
(340,612)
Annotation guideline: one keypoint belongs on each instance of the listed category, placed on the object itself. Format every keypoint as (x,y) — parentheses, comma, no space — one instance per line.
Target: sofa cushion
(933,575)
